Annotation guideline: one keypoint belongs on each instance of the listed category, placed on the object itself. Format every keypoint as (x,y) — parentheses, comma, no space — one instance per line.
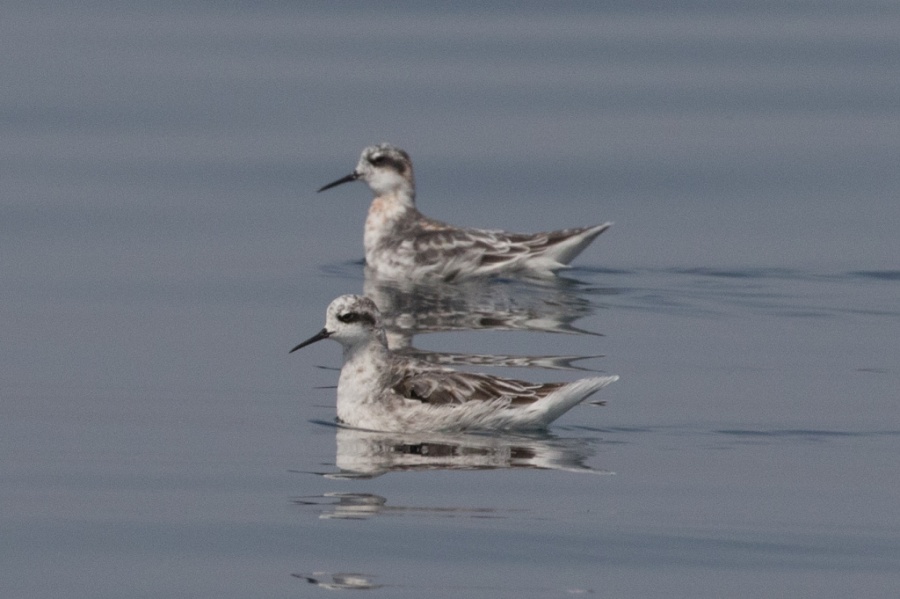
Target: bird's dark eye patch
(387,161)
(349,317)
(363,317)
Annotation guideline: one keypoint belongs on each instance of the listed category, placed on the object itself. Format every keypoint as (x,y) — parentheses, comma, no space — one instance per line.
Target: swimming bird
(401,242)
(384,391)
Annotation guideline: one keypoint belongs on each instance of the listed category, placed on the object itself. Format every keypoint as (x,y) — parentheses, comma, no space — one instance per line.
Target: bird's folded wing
(448,387)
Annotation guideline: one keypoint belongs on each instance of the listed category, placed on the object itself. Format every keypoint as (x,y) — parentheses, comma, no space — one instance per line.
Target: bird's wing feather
(444,386)
(485,246)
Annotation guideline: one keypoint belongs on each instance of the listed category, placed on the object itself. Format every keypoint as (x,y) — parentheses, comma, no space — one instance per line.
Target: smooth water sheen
(163,248)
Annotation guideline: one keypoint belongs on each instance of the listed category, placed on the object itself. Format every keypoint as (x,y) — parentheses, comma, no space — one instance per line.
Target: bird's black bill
(341,181)
(323,334)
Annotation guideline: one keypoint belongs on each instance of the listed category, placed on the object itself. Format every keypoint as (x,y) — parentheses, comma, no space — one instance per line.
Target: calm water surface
(162,249)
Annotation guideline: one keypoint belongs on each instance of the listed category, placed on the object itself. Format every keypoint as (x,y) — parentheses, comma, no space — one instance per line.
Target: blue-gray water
(162,248)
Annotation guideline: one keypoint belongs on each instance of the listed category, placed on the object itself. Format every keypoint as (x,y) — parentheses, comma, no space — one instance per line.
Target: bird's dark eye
(378,160)
(349,317)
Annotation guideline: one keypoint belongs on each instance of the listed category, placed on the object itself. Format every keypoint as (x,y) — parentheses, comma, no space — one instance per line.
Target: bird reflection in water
(368,454)
(410,308)
(340,581)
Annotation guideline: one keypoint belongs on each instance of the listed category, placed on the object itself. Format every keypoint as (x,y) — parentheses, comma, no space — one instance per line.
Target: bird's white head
(385,169)
(351,320)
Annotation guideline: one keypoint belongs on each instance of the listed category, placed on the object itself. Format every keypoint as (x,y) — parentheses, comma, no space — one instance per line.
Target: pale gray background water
(162,248)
